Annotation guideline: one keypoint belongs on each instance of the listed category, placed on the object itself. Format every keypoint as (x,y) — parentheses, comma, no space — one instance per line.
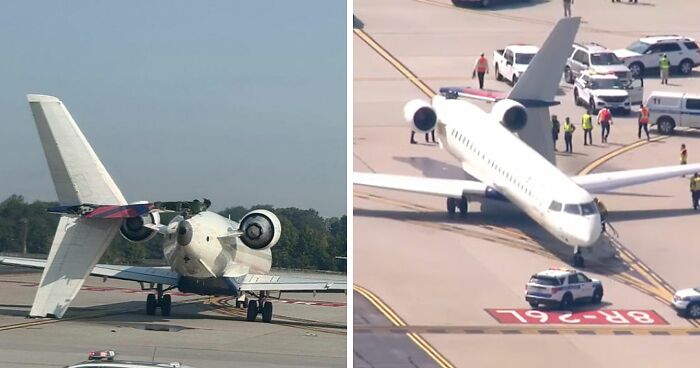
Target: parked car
(510,63)
(644,54)
(669,110)
(606,90)
(596,58)
(687,302)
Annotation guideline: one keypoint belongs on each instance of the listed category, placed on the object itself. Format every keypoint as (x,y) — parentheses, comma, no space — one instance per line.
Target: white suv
(605,90)
(596,58)
(561,287)
(687,301)
(669,110)
(683,53)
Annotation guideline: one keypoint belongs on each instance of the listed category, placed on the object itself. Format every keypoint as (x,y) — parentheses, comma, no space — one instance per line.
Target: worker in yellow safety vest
(695,190)
(643,121)
(664,67)
(481,67)
(587,125)
(568,134)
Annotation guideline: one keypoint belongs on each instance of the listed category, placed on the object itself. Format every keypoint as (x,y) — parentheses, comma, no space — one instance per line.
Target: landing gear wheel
(693,310)
(451,207)
(165,305)
(463,207)
(151,304)
(267,312)
(252,310)
(597,295)
(578,260)
(534,304)
(566,302)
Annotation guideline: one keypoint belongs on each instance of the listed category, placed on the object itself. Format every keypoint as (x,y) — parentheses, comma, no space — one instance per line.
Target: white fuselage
(492,154)
(211,253)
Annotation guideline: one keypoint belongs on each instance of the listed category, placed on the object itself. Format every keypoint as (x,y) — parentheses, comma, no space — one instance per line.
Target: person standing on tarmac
(427,140)
(605,121)
(603,212)
(684,155)
(481,67)
(664,67)
(555,130)
(587,125)
(643,121)
(567,7)
(695,190)
(568,134)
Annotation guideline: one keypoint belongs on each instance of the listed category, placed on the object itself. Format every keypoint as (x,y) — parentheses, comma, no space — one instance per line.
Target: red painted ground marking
(591,317)
(303,302)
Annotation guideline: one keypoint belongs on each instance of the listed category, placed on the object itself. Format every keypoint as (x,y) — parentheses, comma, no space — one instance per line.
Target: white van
(669,110)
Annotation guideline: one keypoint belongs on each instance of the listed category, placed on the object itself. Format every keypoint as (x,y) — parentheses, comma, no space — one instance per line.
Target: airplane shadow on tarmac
(501,4)
(600,258)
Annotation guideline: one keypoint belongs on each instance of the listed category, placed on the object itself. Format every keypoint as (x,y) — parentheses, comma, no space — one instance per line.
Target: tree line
(308,240)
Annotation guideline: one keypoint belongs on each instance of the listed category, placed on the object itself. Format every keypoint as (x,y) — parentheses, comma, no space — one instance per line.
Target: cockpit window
(589,208)
(555,206)
(572,208)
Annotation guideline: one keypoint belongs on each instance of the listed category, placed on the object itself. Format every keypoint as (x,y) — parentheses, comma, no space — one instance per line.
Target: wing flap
(254,282)
(432,186)
(602,182)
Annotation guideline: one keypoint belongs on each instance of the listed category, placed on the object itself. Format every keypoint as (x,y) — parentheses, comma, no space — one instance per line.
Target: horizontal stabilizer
(88,210)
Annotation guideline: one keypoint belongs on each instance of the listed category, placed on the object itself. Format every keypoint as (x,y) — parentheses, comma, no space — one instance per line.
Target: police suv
(669,110)
(607,90)
(562,287)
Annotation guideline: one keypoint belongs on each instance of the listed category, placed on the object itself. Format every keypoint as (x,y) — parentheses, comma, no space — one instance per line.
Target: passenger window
(573,279)
(572,209)
(581,57)
(691,45)
(692,104)
(670,47)
(583,278)
(653,49)
(555,206)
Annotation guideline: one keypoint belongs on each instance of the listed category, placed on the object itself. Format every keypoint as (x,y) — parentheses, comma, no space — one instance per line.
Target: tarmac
(423,282)
(306,331)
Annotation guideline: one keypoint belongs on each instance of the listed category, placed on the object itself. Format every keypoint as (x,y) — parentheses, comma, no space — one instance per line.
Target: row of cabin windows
(467,143)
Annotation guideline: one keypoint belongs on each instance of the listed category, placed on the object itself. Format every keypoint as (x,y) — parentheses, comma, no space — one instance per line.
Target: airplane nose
(590,231)
(184,233)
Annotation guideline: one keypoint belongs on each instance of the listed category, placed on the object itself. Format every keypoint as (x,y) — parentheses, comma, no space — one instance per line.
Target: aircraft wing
(440,187)
(602,182)
(155,275)
(317,283)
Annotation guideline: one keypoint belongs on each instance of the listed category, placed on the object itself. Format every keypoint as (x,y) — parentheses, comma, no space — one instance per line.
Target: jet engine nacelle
(511,114)
(421,115)
(261,229)
(133,228)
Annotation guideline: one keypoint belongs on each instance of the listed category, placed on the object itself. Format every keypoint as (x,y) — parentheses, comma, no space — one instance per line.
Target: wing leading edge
(606,181)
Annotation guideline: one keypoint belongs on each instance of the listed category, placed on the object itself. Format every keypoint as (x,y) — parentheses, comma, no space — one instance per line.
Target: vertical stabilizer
(79,177)
(538,86)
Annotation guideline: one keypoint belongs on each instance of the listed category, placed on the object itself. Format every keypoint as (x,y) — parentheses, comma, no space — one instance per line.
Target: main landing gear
(578,258)
(159,299)
(261,306)
(454,203)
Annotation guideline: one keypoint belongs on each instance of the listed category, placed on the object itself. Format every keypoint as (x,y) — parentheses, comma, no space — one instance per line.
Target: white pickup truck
(510,63)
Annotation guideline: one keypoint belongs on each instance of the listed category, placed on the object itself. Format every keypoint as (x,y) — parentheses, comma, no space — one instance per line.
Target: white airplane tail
(79,177)
(538,86)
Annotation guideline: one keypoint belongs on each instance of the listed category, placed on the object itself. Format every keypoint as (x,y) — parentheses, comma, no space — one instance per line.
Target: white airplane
(511,154)
(207,253)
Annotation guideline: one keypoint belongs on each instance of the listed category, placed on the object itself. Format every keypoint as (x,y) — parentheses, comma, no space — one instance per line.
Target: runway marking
(222,305)
(532,330)
(617,317)
(530,20)
(394,62)
(398,322)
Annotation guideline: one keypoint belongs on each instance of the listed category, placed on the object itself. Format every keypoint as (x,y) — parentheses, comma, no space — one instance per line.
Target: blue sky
(242,102)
